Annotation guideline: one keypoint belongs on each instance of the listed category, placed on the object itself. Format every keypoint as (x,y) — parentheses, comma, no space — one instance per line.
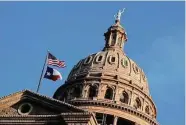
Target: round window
(25,108)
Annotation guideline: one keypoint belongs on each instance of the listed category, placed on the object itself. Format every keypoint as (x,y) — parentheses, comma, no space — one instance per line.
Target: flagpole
(42,72)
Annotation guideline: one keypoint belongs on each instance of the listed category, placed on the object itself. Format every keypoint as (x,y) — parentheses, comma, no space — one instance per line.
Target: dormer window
(100,58)
(88,60)
(135,68)
(124,63)
(113,59)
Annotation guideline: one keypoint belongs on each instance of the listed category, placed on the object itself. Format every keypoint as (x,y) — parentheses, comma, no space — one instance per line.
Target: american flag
(52,60)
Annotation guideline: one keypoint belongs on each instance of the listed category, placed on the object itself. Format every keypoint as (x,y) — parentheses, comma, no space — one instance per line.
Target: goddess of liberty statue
(118,15)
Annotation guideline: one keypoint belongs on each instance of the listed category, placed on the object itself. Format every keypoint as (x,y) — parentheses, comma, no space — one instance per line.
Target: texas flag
(52,74)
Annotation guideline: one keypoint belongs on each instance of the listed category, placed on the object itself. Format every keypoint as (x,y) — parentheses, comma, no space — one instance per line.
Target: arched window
(124,97)
(109,93)
(113,39)
(70,93)
(77,91)
(147,110)
(93,91)
(137,104)
(65,96)
(119,43)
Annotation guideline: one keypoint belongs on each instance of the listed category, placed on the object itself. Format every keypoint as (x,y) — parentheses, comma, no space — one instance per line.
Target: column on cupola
(109,40)
(117,36)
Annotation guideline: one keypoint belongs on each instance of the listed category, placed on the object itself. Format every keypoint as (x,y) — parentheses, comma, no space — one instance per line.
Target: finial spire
(118,15)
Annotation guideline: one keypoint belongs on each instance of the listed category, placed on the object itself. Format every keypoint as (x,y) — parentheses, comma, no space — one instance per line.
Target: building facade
(105,88)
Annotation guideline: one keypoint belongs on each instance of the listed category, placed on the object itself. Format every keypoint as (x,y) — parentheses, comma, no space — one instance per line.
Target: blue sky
(73,30)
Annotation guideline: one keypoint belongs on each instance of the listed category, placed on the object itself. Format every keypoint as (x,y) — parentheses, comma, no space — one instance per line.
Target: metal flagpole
(46,59)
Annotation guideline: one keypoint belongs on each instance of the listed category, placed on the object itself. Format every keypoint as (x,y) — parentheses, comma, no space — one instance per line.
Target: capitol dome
(110,84)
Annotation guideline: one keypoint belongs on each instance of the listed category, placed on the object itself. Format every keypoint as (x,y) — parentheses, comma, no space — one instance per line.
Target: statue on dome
(118,15)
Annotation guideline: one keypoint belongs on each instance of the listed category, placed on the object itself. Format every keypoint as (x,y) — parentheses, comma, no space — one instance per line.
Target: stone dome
(109,82)
(111,62)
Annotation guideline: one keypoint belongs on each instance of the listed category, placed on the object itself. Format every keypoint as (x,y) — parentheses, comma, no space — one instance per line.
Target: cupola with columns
(115,37)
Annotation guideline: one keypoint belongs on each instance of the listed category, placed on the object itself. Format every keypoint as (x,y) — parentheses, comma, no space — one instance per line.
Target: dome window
(147,110)
(135,68)
(113,59)
(79,63)
(65,96)
(124,63)
(93,91)
(77,91)
(109,93)
(88,60)
(124,97)
(99,58)
(137,104)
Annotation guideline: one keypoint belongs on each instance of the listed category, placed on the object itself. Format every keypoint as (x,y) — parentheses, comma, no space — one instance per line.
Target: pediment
(29,103)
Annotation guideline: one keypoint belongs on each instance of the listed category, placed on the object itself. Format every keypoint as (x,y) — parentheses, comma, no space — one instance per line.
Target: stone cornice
(42,119)
(48,116)
(112,105)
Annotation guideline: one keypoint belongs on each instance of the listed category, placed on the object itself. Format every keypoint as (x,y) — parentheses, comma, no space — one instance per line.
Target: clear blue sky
(73,30)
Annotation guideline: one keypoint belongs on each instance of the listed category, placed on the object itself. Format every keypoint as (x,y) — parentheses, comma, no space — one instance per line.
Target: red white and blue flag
(52,60)
(52,74)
